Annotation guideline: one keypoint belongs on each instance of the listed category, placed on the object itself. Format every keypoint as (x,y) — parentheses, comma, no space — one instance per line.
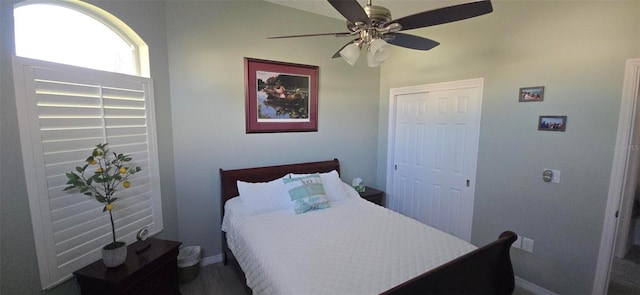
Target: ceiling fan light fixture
(350,53)
(373,25)
(378,52)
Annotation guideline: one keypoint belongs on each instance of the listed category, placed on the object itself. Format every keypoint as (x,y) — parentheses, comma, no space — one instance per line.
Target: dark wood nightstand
(373,195)
(154,271)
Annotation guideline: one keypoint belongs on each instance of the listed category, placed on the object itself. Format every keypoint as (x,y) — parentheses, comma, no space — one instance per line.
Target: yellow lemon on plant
(99,170)
(123,170)
(93,162)
(109,207)
(126,184)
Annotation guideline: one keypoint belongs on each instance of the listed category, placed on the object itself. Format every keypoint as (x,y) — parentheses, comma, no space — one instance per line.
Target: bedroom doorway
(432,153)
(623,175)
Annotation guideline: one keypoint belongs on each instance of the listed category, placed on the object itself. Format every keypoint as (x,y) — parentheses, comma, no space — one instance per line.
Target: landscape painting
(280,97)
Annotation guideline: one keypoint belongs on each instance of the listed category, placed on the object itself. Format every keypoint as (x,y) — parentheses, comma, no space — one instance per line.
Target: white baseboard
(531,287)
(211,260)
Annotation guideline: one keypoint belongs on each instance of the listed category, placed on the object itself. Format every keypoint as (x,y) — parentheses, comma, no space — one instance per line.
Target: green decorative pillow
(306,193)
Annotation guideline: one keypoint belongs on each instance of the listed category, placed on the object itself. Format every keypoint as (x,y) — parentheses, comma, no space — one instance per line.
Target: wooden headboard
(229,178)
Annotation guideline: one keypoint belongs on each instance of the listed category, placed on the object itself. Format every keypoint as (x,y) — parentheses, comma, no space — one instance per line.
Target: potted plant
(100,178)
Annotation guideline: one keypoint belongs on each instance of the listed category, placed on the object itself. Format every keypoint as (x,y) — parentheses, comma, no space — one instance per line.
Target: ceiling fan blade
(341,34)
(351,10)
(337,54)
(411,41)
(444,15)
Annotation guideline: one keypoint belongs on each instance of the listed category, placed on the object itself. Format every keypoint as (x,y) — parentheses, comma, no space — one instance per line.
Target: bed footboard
(486,270)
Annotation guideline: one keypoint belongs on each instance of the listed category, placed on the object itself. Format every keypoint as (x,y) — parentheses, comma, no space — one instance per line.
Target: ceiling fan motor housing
(378,15)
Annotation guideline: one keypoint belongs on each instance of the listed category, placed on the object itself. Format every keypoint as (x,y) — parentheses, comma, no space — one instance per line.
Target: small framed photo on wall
(552,123)
(528,94)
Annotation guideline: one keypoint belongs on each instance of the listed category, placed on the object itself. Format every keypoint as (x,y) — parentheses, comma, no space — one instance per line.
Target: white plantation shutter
(63,112)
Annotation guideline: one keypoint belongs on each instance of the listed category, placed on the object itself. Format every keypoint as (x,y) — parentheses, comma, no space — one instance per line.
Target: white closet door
(434,153)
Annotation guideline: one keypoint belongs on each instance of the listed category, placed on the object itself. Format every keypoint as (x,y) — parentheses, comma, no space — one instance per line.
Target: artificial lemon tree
(111,173)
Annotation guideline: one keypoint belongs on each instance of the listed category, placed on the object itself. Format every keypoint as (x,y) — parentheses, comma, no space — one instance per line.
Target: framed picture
(552,123)
(531,94)
(280,96)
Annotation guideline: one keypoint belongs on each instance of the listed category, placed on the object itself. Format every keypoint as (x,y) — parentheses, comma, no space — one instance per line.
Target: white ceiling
(399,8)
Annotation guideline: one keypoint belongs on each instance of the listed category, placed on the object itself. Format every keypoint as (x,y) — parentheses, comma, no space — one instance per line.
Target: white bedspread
(353,247)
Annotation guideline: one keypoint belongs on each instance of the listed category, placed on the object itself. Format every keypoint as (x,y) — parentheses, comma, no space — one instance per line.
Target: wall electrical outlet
(527,245)
(550,175)
(518,243)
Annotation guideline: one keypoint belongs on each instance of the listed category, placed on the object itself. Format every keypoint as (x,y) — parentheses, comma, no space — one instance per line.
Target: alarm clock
(143,234)
(143,243)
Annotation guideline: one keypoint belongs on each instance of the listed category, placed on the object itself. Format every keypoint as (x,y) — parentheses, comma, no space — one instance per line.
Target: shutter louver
(65,112)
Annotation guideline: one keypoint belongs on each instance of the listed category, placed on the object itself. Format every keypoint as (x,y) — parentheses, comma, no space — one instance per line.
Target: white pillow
(262,197)
(332,185)
(306,193)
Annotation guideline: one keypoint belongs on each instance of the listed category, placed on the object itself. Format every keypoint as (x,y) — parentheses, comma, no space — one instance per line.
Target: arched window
(75,33)
(82,78)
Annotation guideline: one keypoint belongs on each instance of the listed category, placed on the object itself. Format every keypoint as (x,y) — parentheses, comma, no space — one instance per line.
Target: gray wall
(577,50)
(207,44)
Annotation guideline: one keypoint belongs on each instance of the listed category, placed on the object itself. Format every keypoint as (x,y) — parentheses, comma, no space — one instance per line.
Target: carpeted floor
(216,279)
(625,274)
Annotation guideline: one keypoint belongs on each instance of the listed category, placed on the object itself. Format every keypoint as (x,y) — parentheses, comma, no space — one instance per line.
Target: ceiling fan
(374,28)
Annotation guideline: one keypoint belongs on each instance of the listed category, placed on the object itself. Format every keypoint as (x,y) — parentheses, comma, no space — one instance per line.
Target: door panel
(434,157)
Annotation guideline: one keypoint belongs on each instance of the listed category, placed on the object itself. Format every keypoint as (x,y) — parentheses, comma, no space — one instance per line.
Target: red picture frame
(280,96)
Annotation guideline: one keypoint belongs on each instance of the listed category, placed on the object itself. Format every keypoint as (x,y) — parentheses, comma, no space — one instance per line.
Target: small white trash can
(188,263)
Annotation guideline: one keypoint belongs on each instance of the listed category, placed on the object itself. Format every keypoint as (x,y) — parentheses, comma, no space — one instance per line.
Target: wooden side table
(373,195)
(154,271)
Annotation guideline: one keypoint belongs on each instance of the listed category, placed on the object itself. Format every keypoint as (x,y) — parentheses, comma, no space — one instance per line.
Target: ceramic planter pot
(114,254)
